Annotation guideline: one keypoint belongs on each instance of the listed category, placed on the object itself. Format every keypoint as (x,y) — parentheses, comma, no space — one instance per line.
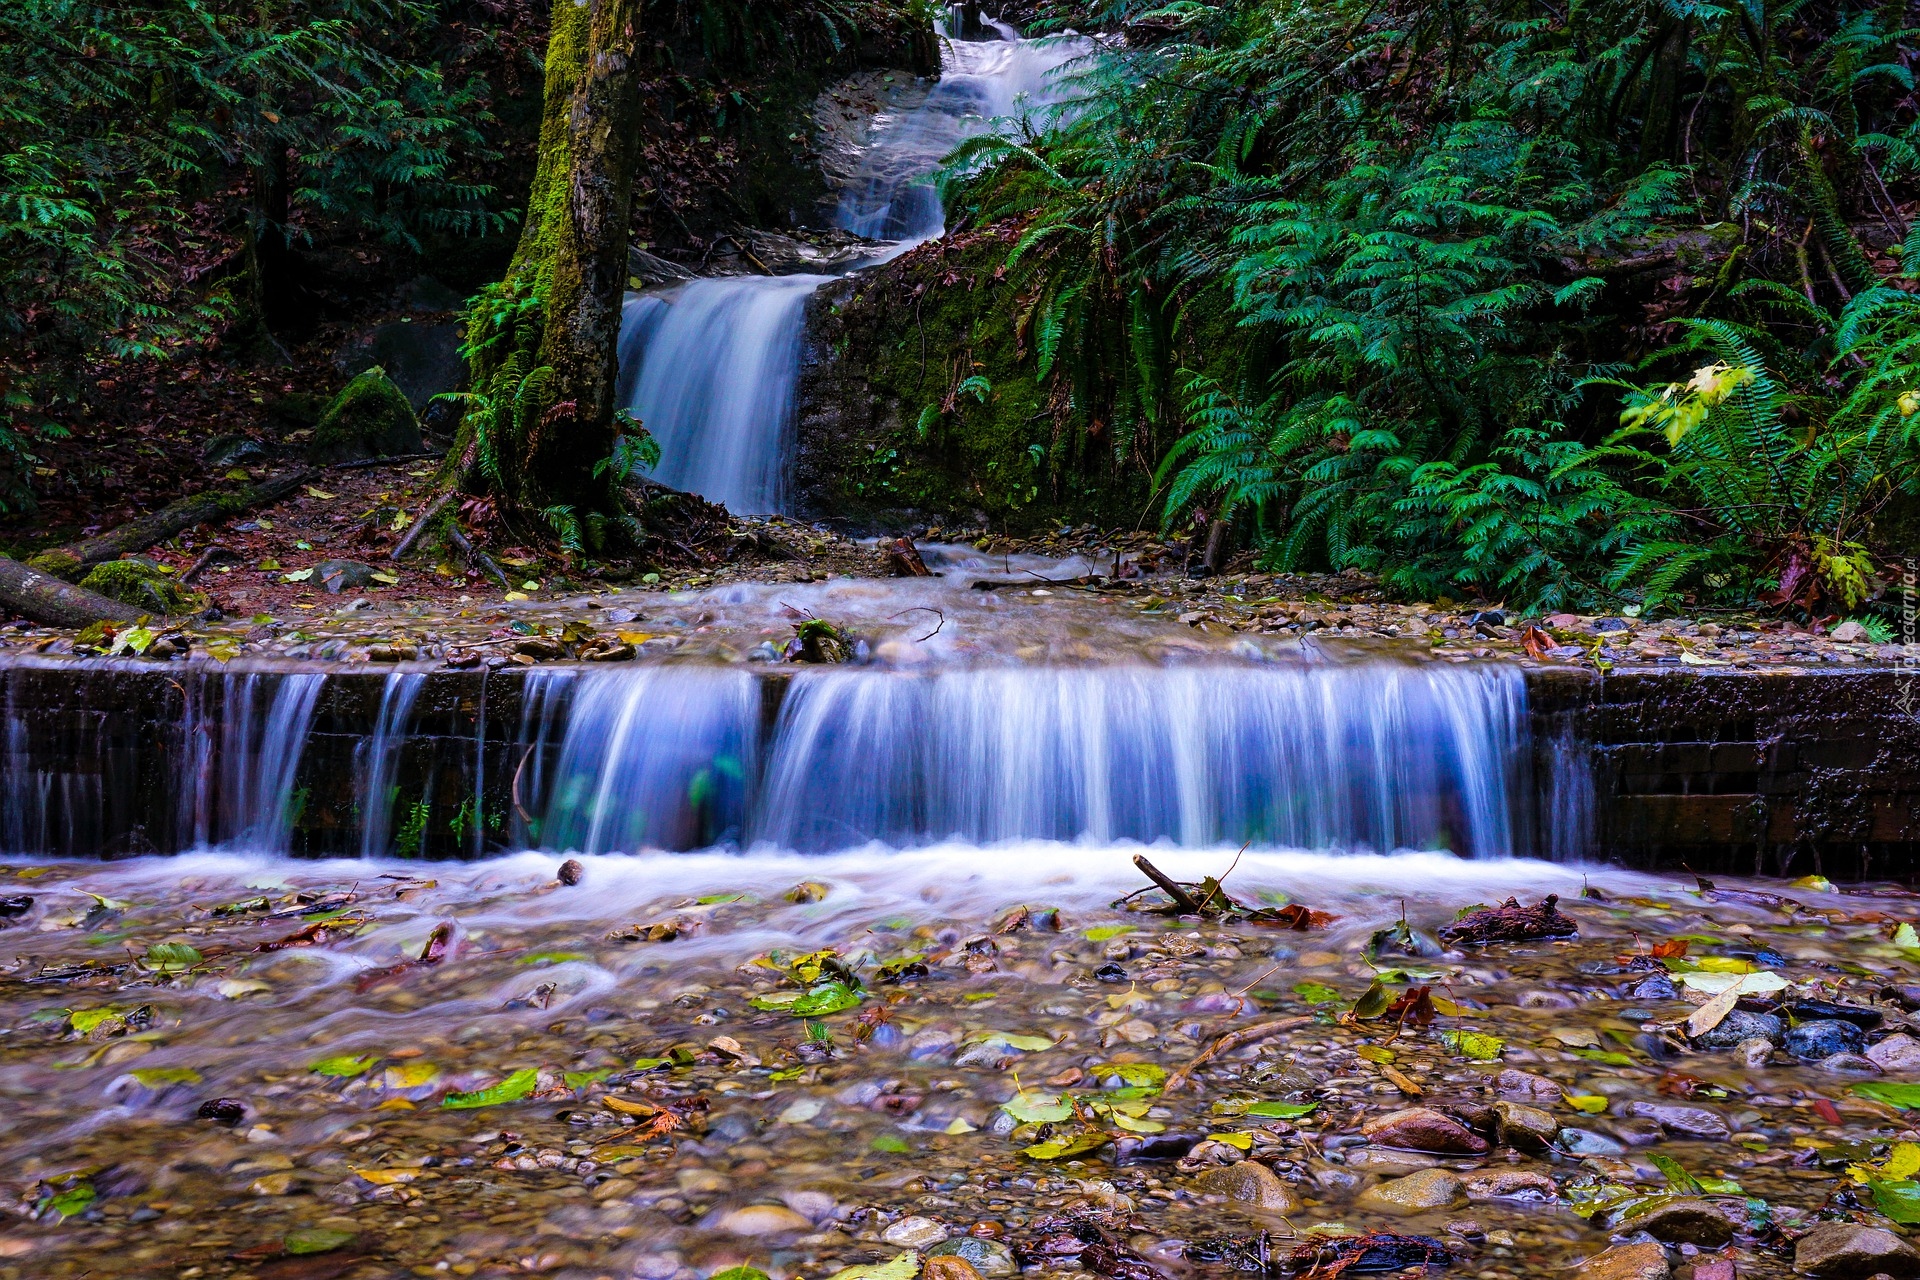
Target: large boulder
(370,418)
(1846,1249)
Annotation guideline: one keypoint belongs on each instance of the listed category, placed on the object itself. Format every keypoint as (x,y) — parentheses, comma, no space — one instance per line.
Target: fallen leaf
(515,1087)
(1475,1046)
(321,494)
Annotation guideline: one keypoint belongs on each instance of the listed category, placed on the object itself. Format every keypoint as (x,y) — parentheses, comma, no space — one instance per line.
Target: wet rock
(1822,1038)
(763,1220)
(15,905)
(1511,1184)
(1708,1223)
(571,872)
(1657,987)
(1692,1122)
(1427,1189)
(949,1267)
(986,1257)
(1519,1125)
(1514,1083)
(1896,1055)
(1715,1269)
(915,1233)
(343,575)
(1644,1261)
(1424,1129)
(1843,1250)
(814,1206)
(931,1044)
(1250,1183)
(1387,1162)
(1849,1064)
(1861,1016)
(1753,1054)
(1741,1025)
(1585,1142)
(223,1110)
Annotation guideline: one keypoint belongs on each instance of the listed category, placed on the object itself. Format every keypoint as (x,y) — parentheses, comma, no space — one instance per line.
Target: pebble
(1708,1223)
(1424,1129)
(1657,987)
(986,1257)
(914,1233)
(1693,1122)
(1739,1026)
(1515,1083)
(1585,1142)
(1753,1054)
(1844,1250)
(1897,1055)
(1519,1125)
(1250,1183)
(1511,1184)
(763,1220)
(949,1267)
(1643,1261)
(1427,1189)
(1823,1038)
(1849,1064)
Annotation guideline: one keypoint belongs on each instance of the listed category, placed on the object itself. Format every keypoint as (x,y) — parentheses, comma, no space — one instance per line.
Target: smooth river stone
(1643,1261)
(1250,1183)
(764,1220)
(1427,1189)
(1424,1129)
(1843,1250)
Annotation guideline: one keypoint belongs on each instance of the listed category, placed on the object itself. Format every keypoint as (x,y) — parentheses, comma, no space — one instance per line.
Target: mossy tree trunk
(543,342)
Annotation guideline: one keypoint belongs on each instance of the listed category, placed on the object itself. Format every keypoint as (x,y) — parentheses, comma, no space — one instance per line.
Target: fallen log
(46,599)
(142,532)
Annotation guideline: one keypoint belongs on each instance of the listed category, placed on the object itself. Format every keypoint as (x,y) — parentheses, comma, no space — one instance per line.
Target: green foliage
(1446,234)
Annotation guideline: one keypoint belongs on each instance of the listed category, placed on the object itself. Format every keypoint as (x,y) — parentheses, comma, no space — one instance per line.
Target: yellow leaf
(410,1075)
(634,637)
(518,595)
(387,1177)
(957,1125)
(627,1106)
(1591,1103)
(1375,1053)
(1244,1141)
(321,494)
(1903,1161)
(396,1104)
(390,579)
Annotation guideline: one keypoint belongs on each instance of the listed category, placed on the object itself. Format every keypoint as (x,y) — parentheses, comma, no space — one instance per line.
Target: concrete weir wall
(1719,771)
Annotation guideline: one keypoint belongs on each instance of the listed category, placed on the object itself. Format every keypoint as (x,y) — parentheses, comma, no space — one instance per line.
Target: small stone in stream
(764,1220)
(1424,1129)
(1110,972)
(1753,1054)
(1585,1142)
(1896,1055)
(1519,1125)
(1822,1038)
(1859,1015)
(1715,1269)
(1153,1147)
(1737,1026)
(342,575)
(1692,1122)
(1250,1183)
(1511,1184)
(1544,1000)
(1849,1064)
(1514,1083)
(571,872)
(223,1110)
(1707,1223)
(915,1233)
(15,905)
(1844,1250)
(1427,1189)
(1643,1261)
(1466,1229)
(814,1206)
(949,1267)
(987,1257)
(1657,987)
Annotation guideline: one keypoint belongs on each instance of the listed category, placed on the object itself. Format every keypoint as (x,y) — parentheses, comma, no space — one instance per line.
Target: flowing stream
(710,366)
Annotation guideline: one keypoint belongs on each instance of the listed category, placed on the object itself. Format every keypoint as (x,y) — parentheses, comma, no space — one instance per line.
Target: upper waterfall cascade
(710,366)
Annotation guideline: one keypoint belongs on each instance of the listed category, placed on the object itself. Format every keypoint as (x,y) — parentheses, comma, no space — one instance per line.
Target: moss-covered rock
(370,418)
(144,585)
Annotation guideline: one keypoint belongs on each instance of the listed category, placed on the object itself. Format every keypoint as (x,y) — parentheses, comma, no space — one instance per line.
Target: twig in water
(922,609)
(1181,898)
(1231,1041)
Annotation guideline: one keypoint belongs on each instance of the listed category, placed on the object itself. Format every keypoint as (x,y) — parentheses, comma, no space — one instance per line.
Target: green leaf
(1607,1056)
(581,1079)
(84,1021)
(651,1064)
(160,1077)
(74,1199)
(1103,932)
(740,1273)
(1026,1044)
(554,957)
(1281,1110)
(1316,992)
(346,1066)
(1373,1002)
(1677,1177)
(1475,1046)
(902,1266)
(172,957)
(893,1144)
(1904,1096)
(315,1239)
(1038,1108)
(712,900)
(1898,1199)
(515,1087)
(1137,1074)
(1073,1145)
(821,999)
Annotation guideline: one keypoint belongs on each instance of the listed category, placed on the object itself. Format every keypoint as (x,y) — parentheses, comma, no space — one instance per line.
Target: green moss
(369,418)
(143,585)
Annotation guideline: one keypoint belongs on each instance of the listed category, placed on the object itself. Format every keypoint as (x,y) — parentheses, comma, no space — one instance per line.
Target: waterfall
(658,757)
(1377,757)
(712,373)
(377,760)
(980,81)
(243,747)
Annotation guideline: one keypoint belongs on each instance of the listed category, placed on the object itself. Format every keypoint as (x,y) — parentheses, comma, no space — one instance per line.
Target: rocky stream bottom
(952,1062)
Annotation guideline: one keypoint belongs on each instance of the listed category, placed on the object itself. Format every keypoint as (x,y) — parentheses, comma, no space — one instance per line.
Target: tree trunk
(46,599)
(142,532)
(545,339)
